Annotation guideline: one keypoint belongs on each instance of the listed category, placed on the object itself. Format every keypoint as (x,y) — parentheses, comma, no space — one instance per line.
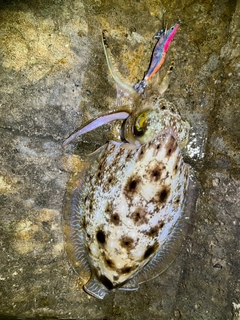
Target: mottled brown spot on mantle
(162,195)
(127,242)
(108,208)
(132,185)
(171,146)
(139,216)
(176,203)
(154,231)
(150,250)
(154,170)
(111,180)
(127,269)
(155,175)
(177,165)
(115,219)
(109,263)
(101,237)
(141,152)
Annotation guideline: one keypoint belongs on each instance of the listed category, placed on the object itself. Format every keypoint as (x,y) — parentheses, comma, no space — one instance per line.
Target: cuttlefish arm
(123,84)
(93,124)
(165,81)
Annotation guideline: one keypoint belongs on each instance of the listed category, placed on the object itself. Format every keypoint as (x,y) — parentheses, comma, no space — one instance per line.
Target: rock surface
(54,78)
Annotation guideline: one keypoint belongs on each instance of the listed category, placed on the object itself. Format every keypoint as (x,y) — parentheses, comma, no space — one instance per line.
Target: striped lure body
(160,50)
(158,56)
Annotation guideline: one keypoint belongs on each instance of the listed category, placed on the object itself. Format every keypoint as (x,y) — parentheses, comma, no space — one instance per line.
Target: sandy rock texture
(53,78)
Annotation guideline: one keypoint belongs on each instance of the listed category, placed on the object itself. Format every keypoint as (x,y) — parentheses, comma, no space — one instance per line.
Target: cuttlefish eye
(140,128)
(140,125)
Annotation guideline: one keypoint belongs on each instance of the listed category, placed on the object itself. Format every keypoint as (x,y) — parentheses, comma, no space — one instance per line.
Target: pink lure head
(172,31)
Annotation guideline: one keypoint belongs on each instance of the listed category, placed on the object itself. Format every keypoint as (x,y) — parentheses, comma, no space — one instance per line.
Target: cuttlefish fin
(95,288)
(122,84)
(93,124)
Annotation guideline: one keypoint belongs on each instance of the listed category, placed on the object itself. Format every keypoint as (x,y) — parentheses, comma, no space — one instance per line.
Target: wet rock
(51,59)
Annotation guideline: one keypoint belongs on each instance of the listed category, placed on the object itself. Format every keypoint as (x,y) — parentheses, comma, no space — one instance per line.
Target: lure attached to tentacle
(165,37)
(133,198)
(159,54)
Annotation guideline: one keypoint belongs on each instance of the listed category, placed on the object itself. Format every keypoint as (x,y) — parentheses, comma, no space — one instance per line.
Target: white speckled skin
(132,206)
(132,200)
